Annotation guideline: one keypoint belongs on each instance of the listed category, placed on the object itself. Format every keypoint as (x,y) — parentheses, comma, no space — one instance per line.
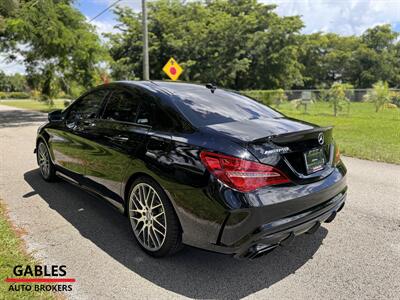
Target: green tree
(241,44)
(12,83)
(328,58)
(59,45)
(377,58)
(359,60)
(3,82)
(7,9)
(338,96)
(379,95)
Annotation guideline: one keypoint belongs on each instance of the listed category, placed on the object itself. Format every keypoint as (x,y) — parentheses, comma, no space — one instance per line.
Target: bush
(61,95)
(268,97)
(379,95)
(279,97)
(14,95)
(390,106)
(396,98)
(35,94)
(19,95)
(322,95)
(260,95)
(338,96)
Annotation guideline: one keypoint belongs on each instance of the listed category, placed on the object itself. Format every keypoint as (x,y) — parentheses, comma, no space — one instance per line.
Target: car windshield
(202,107)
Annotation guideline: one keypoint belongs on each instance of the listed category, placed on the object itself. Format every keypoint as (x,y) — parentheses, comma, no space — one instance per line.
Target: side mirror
(55,116)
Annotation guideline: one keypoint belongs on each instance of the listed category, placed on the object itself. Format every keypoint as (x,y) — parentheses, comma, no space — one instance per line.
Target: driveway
(356,256)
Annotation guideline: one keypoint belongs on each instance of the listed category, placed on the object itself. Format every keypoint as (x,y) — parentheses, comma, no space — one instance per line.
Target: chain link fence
(354,95)
(278,96)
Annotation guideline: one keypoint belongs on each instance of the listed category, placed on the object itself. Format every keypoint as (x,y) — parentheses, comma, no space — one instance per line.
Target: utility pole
(145,42)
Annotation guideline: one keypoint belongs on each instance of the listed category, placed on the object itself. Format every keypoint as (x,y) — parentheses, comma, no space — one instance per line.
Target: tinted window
(122,106)
(152,114)
(88,106)
(203,108)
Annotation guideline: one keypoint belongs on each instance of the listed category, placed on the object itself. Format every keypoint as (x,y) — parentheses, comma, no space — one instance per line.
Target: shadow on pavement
(193,273)
(20,118)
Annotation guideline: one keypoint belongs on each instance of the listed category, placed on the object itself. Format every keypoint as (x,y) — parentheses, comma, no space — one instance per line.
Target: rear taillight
(337,155)
(240,174)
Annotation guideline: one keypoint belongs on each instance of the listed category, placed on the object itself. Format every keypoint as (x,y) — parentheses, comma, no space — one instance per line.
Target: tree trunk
(47,88)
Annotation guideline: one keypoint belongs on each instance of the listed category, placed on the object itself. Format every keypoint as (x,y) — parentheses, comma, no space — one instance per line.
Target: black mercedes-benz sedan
(196,165)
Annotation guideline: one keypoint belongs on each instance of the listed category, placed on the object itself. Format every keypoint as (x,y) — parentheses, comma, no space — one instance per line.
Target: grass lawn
(11,254)
(34,105)
(362,133)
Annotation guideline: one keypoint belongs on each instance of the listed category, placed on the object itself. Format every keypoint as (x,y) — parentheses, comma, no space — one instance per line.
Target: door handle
(120,138)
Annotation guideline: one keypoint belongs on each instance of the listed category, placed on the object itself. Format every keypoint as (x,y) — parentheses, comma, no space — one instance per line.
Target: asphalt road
(356,256)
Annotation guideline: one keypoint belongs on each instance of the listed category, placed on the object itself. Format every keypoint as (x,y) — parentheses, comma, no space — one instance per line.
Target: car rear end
(294,182)
(277,177)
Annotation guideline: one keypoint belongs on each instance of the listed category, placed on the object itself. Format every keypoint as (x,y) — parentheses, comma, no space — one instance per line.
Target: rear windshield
(203,108)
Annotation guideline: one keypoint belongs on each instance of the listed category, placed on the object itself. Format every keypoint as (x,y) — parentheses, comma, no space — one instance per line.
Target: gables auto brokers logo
(40,278)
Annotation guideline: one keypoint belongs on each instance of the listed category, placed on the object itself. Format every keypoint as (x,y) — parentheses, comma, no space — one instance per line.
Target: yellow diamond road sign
(172,69)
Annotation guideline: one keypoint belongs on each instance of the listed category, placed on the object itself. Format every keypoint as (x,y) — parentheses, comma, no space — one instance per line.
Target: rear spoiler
(294,136)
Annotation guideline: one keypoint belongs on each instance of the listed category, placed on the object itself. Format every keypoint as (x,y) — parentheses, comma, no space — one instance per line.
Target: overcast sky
(341,16)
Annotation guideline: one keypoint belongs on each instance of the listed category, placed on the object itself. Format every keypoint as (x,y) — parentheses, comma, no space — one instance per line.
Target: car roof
(168,87)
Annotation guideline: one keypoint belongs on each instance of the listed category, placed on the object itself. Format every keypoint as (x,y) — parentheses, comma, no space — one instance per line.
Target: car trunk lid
(303,150)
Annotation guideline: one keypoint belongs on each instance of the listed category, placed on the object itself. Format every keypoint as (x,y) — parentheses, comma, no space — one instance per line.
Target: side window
(152,114)
(121,106)
(87,107)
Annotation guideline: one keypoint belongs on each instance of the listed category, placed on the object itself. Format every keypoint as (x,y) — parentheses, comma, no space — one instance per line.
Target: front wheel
(153,219)
(47,169)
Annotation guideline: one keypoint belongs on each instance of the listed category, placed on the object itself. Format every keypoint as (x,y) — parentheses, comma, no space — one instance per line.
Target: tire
(46,166)
(153,220)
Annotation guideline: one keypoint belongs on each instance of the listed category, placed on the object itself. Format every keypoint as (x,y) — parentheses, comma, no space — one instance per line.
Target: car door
(70,142)
(162,124)
(118,138)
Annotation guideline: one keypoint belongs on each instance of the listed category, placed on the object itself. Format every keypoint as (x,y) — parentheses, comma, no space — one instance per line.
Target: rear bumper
(219,219)
(282,231)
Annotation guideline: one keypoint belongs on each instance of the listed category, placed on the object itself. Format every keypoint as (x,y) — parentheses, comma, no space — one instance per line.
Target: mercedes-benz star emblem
(321,138)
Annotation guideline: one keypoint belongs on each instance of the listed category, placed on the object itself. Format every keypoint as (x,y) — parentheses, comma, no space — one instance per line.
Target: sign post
(146,75)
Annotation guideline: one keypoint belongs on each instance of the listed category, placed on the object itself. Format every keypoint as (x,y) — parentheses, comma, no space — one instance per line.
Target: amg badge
(279,150)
